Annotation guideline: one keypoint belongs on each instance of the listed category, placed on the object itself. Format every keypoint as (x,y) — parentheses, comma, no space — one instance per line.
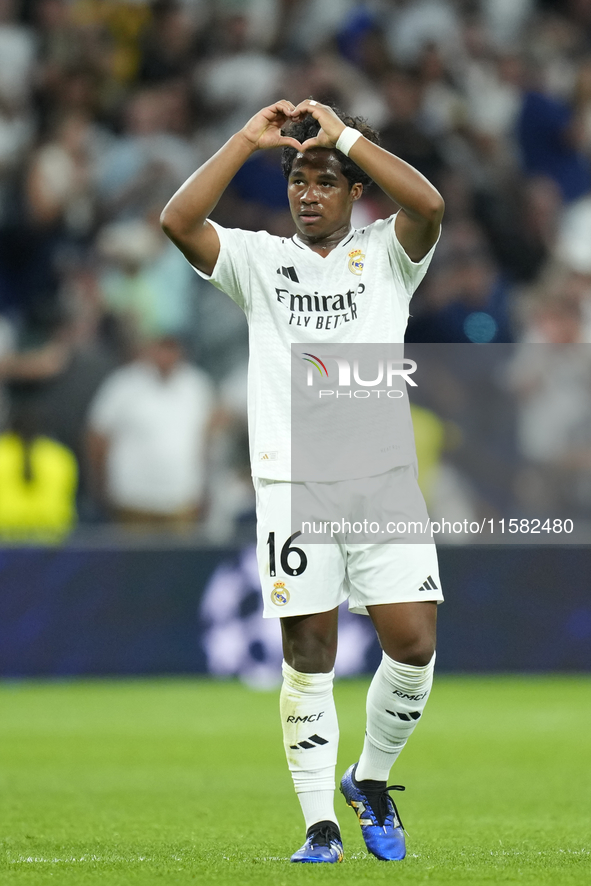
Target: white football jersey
(359,293)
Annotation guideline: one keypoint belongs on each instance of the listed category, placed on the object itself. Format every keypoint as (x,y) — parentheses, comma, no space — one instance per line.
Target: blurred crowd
(117,354)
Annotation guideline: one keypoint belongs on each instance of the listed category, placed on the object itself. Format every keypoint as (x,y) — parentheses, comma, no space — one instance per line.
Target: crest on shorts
(280,594)
(356,261)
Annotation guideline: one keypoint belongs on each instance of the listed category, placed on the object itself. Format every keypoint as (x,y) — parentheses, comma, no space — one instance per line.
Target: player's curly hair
(308,127)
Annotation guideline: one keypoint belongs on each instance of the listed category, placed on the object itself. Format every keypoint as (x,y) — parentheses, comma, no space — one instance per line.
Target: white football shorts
(303,578)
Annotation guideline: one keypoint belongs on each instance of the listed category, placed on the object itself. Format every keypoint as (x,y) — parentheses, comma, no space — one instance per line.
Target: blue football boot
(380,823)
(323,844)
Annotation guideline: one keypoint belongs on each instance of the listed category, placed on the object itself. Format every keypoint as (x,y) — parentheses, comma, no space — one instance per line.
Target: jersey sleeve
(408,272)
(231,273)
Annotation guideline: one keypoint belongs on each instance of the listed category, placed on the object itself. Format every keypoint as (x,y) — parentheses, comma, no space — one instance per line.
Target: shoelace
(324,835)
(379,803)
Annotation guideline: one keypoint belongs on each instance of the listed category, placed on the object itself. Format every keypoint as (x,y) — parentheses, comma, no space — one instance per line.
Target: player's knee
(417,651)
(419,655)
(310,642)
(310,655)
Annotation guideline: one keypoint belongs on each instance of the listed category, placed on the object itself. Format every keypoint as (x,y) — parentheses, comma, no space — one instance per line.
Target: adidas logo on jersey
(428,585)
(290,273)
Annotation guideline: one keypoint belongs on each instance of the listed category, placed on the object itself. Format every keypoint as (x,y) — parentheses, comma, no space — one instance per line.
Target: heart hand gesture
(264,129)
(330,125)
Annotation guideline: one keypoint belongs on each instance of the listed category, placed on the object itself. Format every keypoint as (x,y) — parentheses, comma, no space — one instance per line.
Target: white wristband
(347,139)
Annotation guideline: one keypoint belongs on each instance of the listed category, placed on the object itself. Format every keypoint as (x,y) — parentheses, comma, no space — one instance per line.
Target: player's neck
(324,245)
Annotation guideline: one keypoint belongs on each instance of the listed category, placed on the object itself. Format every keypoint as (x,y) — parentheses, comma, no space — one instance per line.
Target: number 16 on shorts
(296,577)
(295,581)
(293,560)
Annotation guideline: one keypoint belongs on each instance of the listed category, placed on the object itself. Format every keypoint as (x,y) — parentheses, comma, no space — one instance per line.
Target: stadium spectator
(7,344)
(17,54)
(547,139)
(573,240)
(406,132)
(38,482)
(64,356)
(147,439)
(145,160)
(168,46)
(239,77)
(232,494)
(144,283)
(466,302)
(60,187)
(414,25)
(551,377)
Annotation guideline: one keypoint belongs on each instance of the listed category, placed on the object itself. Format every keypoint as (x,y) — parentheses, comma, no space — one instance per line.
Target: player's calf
(310,737)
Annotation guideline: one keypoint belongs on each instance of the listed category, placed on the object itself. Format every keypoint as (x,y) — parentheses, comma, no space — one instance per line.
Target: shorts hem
(356,608)
(270,613)
(361,608)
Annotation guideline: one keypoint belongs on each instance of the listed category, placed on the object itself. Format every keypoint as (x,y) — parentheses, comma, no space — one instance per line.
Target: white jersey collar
(304,246)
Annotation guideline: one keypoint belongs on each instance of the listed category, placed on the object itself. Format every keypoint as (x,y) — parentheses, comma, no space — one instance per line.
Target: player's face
(320,197)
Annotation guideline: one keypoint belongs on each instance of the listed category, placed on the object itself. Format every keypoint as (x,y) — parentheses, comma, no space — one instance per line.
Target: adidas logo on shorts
(428,585)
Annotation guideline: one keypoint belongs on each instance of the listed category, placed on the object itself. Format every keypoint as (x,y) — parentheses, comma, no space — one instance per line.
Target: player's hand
(331,126)
(264,129)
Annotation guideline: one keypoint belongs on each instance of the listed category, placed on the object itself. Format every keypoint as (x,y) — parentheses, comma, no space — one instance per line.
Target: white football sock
(395,701)
(310,738)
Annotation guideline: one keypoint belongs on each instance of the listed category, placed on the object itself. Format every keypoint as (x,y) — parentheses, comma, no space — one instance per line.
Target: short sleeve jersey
(358,293)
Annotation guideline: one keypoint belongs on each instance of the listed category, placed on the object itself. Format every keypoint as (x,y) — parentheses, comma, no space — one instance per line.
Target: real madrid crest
(279,594)
(356,260)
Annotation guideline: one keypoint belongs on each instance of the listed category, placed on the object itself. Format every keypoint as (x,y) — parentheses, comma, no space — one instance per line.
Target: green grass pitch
(184,781)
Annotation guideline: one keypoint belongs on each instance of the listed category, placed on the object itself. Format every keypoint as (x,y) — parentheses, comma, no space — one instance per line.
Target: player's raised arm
(422,206)
(184,218)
